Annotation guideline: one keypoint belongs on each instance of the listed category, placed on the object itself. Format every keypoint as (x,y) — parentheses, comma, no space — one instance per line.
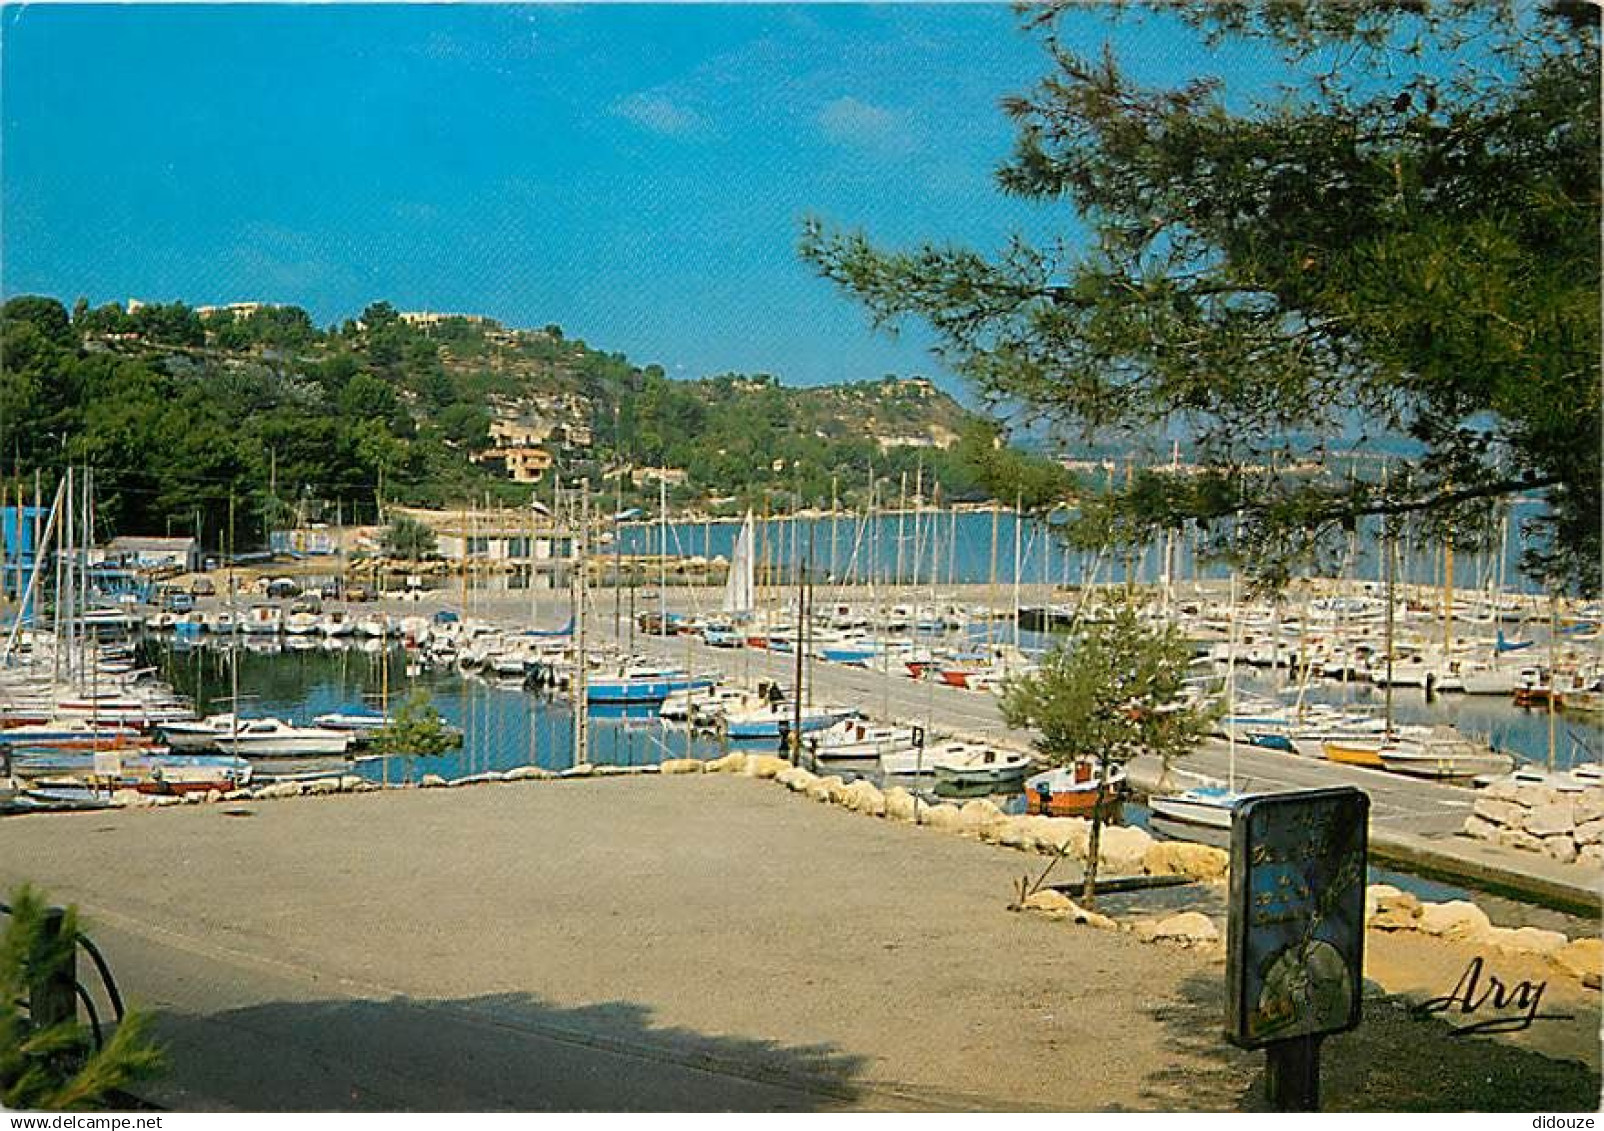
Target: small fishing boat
(356,722)
(856,738)
(147,772)
(263,620)
(1355,751)
(1208,805)
(1446,754)
(768,720)
(74,734)
(1071,791)
(970,763)
(642,683)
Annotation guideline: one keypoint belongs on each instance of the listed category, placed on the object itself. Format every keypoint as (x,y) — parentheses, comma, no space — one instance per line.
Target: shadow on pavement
(502,1052)
(1396,1061)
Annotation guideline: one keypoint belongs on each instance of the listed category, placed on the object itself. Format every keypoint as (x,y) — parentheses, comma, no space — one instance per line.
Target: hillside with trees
(227,422)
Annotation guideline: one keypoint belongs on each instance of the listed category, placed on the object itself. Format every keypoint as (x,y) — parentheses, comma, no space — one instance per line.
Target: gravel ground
(664,943)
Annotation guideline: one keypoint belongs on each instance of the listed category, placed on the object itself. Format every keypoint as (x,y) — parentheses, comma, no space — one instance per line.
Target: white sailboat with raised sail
(740,591)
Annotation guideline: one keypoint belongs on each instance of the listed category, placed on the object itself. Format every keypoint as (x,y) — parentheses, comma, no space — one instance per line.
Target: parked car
(177,601)
(202,587)
(283,587)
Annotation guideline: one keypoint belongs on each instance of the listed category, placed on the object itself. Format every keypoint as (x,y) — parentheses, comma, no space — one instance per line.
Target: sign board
(1295,941)
(108,764)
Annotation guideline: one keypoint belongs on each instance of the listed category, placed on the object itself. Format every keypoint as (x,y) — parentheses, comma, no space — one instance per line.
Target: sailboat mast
(1018,561)
(581,669)
(662,555)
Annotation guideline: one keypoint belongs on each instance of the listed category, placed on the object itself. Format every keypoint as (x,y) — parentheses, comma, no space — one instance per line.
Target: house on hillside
(139,552)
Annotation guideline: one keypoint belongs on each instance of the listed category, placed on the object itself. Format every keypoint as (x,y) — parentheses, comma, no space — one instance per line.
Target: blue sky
(637,174)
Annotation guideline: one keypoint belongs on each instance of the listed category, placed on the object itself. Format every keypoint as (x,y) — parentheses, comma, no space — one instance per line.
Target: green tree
(416,729)
(408,538)
(58,1067)
(1114,692)
(47,315)
(1398,259)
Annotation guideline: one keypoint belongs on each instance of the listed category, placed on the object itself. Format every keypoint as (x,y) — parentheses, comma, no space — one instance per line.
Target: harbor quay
(701,941)
(1415,823)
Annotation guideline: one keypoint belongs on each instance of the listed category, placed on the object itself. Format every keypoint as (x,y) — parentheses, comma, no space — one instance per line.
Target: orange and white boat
(1071,791)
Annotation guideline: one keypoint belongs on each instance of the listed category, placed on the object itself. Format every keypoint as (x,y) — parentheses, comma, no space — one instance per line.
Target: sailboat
(739,592)
(1210,804)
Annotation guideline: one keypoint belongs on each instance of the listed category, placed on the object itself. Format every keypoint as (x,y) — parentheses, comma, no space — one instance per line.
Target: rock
(1589,805)
(828,789)
(213,796)
(1394,910)
(1048,900)
(238,795)
(1456,919)
(899,804)
(1123,848)
(280,789)
(1480,829)
(1013,832)
(797,779)
(1581,959)
(1531,940)
(979,815)
(527,773)
(1503,791)
(127,798)
(323,788)
(1551,820)
(1515,838)
(1067,834)
(862,797)
(1561,848)
(1591,832)
(194,797)
(732,763)
(1591,855)
(431,781)
(1188,927)
(583,770)
(681,766)
(765,766)
(350,783)
(365,786)
(1182,858)
(1506,813)
(1533,796)
(942,816)
(166,800)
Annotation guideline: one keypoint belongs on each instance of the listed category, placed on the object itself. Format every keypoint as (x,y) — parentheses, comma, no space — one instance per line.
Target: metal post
(1292,1074)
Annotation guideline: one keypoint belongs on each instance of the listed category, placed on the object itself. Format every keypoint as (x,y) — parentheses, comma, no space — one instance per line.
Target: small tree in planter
(57,1067)
(1113,693)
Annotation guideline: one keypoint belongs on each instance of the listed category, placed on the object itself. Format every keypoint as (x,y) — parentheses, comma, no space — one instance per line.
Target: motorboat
(1444,753)
(263,620)
(257,738)
(1207,805)
(970,763)
(768,720)
(643,683)
(857,738)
